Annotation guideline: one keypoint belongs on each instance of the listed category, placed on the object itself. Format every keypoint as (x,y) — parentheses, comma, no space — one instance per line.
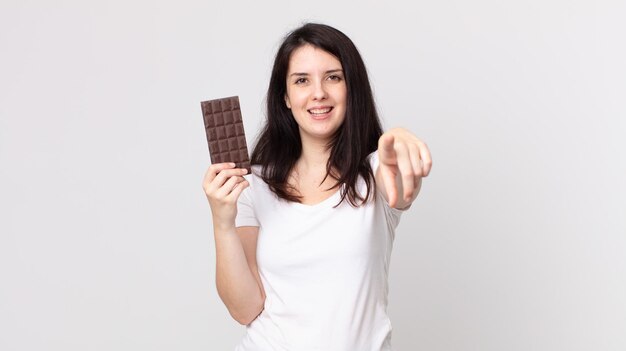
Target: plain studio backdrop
(517,241)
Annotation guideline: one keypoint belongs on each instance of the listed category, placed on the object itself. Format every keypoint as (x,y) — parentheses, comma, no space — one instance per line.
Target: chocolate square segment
(224,131)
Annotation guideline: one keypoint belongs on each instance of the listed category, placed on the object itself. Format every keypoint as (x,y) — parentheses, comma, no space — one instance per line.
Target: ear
(287,102)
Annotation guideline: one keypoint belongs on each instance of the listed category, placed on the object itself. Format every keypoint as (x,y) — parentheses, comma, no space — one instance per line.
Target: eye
(335,77)
(300,81)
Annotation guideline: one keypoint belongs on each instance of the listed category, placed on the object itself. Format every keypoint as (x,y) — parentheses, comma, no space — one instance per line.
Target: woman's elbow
(246,316)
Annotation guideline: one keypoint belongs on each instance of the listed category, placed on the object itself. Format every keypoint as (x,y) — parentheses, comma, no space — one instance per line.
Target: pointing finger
(386,153)
(406,170)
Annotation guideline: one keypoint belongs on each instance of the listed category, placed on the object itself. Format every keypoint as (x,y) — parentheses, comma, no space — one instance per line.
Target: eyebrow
(300,74)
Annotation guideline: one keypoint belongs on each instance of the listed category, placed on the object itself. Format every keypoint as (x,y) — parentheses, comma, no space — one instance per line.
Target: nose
(319,91)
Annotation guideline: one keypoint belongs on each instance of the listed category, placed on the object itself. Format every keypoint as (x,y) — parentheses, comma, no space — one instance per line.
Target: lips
(320,112)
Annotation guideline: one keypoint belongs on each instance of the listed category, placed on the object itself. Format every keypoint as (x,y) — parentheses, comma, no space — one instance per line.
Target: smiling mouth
(320,111)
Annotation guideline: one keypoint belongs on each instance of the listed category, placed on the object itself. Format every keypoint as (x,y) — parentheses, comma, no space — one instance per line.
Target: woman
(303,244)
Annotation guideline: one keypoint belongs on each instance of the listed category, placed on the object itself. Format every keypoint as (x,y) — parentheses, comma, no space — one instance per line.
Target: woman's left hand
(403,161)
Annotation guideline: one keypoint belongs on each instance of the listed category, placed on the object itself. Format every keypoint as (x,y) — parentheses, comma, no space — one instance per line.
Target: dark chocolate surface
(224,131)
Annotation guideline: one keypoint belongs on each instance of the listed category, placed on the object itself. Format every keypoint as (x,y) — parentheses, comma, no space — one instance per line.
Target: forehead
(308,59)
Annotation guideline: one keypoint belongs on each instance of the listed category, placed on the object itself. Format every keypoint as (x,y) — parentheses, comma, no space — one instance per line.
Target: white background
(517,242)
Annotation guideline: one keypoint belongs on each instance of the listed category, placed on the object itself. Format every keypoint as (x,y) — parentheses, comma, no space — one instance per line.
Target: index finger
(389,182)
(386,152)
(215,168)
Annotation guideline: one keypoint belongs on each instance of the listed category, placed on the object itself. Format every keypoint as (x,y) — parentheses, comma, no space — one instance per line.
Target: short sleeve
(391,214)
(245,207)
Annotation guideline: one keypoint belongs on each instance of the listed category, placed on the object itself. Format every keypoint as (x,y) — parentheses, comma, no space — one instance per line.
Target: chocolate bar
(224,131)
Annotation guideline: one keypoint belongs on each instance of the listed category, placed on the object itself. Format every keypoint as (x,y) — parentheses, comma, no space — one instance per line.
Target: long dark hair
(278,146)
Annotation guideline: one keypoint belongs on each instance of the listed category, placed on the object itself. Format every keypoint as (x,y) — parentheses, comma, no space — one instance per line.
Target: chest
(301,240)
(314,189)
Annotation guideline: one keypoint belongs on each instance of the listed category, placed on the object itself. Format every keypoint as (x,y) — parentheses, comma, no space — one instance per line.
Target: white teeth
(320,111)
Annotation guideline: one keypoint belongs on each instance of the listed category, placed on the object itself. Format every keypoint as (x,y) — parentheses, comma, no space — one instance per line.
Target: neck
(315,154)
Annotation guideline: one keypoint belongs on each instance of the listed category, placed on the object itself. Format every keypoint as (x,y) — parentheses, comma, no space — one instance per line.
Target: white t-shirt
(324,271)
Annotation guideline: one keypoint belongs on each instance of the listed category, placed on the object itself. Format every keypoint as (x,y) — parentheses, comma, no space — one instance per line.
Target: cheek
(342,94)
(298,99)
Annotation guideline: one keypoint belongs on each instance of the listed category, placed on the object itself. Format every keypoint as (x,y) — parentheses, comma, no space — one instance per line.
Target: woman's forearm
(236,284)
